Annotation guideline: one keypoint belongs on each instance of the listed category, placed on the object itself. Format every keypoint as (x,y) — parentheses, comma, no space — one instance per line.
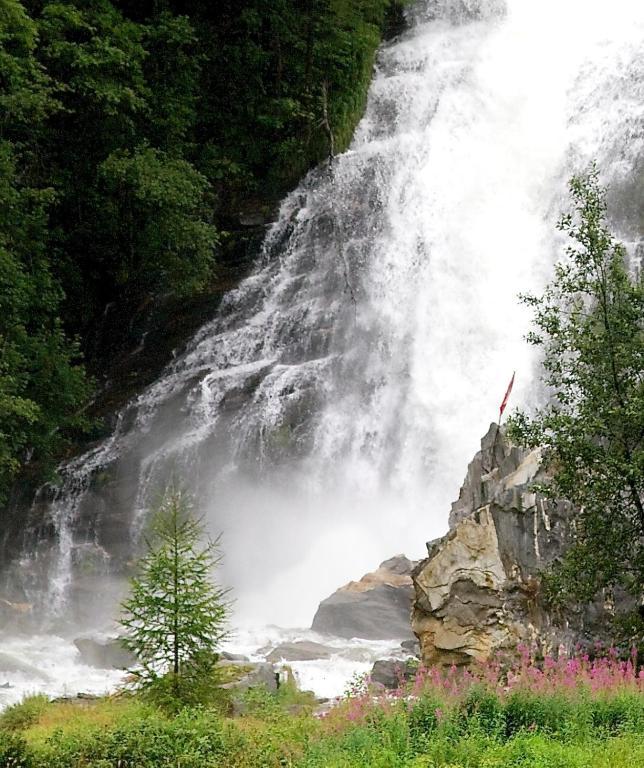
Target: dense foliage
(175,616)
(590,324)
(564,713)
(133,133)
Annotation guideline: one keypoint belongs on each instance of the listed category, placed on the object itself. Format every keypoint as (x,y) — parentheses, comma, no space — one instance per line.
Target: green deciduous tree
(156,209)
(175,617)
(133,134)
(42,385)
(590,325)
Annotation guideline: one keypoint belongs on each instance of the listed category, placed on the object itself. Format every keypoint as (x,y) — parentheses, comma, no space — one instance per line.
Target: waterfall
(325,417)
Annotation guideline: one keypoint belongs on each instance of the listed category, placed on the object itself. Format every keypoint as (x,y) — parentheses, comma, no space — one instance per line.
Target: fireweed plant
(529,711)
(528,681)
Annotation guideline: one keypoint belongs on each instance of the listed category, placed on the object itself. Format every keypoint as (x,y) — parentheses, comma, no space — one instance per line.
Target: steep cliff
(479,591)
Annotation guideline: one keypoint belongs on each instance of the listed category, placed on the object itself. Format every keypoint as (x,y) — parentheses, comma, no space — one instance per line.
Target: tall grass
(578,712)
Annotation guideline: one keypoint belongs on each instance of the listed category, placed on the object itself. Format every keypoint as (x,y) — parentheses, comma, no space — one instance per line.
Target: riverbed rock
(392,673)
(300,650)
(411,647)
(228,656)
(252,675)
(10,663)
(377,607)
(104,652)
(479,590)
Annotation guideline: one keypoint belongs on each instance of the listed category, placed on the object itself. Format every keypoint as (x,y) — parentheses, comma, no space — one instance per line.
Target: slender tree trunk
(175,618)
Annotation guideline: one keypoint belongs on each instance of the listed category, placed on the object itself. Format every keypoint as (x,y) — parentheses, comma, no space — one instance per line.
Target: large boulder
(392,673)
(250,675)
(479,589)
(10,663)
(104,652)
(377,607)
(300,650)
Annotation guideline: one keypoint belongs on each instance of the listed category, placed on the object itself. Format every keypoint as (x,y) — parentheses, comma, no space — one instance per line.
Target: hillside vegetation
(565,713)
(133,134)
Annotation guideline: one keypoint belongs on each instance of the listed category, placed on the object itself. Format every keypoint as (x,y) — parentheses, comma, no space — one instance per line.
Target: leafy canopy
(590,324)
(133,134)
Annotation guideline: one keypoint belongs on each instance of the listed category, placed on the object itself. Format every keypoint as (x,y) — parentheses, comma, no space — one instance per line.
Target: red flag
(507,395)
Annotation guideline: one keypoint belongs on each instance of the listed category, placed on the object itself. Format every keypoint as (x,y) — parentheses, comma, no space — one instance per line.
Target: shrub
(13,751)
(192,739)
(20,716)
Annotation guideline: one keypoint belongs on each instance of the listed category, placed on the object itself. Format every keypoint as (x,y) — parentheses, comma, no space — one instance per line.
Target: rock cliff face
(479,589)
(376,608)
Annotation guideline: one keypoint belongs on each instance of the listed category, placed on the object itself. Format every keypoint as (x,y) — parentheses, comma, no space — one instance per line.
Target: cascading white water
(325,417)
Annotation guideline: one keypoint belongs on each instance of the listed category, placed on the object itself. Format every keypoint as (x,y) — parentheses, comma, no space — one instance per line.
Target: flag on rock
(506,397)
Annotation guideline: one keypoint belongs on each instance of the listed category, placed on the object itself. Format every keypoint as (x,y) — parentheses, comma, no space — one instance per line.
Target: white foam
(56,670)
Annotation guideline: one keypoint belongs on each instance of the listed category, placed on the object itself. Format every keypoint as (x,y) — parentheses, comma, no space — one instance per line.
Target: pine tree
(175,616)
(590,324)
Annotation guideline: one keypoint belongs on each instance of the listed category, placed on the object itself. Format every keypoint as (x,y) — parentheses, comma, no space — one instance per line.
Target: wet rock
(377,607)
(11,663)
(392,673)
(104,652)
(254,675)
(412,647)
(301,650)
(226,656)
(81,699)
(478,591)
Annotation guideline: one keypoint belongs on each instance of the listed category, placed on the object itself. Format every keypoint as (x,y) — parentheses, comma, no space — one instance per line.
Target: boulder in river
(228,656)
(377,607)
(392,673)
(300,650)
(252,675)
(104,652)
(10,663)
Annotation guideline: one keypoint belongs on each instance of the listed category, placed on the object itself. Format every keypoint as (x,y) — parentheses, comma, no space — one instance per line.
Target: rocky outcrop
(375,608)
(478,591)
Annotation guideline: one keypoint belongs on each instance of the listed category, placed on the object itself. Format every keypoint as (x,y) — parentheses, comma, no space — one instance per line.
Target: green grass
(27,712)
(477,727)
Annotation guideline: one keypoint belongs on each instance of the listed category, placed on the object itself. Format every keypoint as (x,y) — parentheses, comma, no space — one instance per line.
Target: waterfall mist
(324,419)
